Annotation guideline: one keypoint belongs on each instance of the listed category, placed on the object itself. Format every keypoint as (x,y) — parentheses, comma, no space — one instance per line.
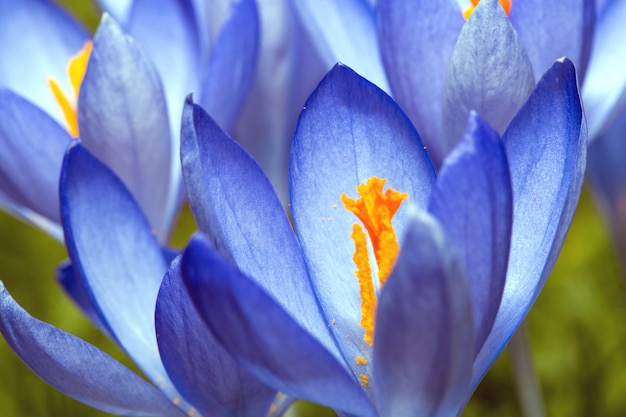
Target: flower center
(375,210)
(76,68)
(467,12)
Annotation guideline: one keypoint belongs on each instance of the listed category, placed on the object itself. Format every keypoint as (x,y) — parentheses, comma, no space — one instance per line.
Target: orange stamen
(467,12)
(366,285)
(76,68)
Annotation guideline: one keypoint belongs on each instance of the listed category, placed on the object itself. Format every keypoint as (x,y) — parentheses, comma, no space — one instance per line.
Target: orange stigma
(76,68)
(467,12)
(375,210)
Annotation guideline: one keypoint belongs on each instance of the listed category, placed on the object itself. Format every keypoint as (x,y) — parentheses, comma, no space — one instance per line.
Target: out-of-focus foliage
(577,327)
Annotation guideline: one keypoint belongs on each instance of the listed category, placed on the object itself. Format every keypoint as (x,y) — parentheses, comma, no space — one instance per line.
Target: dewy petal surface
(417,39)
(489,72)
(116,256)
(77,368)
(204,373)
(123,120)
(473,201)
(424,335)
(33,145)
(232,65)
(546,146)
(348,132)
(263,337)
(234,204)
(38,39)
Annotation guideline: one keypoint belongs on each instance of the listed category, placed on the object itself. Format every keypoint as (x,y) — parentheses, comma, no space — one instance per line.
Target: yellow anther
(76,68)
(375,210)
(361,360)
(467,12)
(364,380)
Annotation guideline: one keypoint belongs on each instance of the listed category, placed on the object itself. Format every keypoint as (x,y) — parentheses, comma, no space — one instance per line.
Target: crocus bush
(293,311)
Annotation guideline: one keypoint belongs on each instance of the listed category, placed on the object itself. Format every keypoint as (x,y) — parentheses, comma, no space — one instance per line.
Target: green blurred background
(576,328)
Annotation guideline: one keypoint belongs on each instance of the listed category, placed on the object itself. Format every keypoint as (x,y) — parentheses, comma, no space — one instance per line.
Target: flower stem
(528,389)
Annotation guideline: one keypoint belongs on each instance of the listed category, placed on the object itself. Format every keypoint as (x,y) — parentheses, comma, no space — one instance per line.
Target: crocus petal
(33,145)
(77,368)
(234,204)
(473,201)
(423,340)
(122,120)
(553,29)
(38,39)
(348,132)
(417,39)
(345,31)
(489,72)
(204,373)
(605,83)
(116,257)
(546,146)
(263,337)
(119,9)
(232,65)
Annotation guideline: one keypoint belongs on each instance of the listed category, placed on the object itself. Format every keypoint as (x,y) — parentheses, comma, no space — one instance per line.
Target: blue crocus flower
(303,312)
(124,108)
(119,266)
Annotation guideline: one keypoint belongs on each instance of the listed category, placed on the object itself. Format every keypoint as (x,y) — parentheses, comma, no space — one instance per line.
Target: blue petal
(417,39)
(546,146)
(348,132)
(473,201)
(345,31)
(234,204)
(424,337)
(119,9)
(553,29)
(263,337)
(605,83)
(204,373)
(116,257)
(232,65)
(37,39)
(122,120)
(32,152)
(489,72)
(77,368)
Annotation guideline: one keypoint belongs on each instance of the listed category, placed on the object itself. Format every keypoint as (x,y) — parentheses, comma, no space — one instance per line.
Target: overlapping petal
(234,204)
(263,337)
(204,373)
(349,131)
(546,148)
(423,356)
(489,72)
(116,257)
(473,201)
(123,119)
(77,368)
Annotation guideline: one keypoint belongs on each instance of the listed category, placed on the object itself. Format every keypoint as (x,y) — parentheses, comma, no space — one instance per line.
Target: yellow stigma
(375,210)
(76,68)
(467,12)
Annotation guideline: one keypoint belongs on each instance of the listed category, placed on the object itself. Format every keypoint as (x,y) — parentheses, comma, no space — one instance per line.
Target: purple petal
(423,343)
(263,337)
(77,368)
(204,373)
(234,204)
(473,201)
(38,39)
(546,146)
(489,72)
(122,120)
(553,29)
(232,65)
(116,257)
(349,131)
(119,9)
(417,39)
(33,145)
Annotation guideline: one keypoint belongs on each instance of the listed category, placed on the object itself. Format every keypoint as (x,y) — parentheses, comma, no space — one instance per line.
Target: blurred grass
(576,327)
